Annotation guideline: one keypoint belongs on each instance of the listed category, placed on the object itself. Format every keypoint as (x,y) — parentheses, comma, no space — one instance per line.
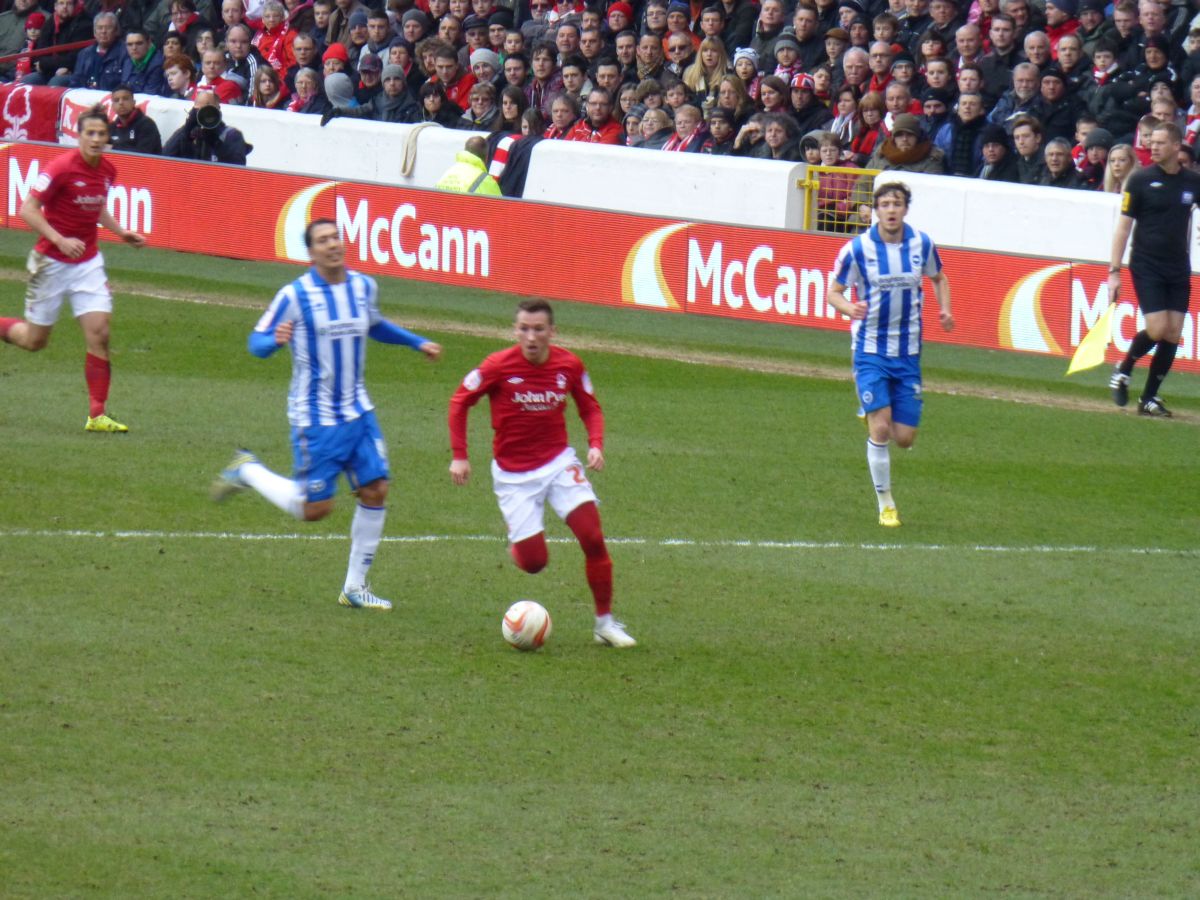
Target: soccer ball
(526,625)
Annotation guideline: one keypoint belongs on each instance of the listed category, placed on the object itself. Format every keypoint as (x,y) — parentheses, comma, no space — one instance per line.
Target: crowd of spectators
(1053,92)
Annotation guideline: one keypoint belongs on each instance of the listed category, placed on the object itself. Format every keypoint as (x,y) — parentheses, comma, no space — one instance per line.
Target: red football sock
(5,325)
(98,373)
(585,522)
(531,554)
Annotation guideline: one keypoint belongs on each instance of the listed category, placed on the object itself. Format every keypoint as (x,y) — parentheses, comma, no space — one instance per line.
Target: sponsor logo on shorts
(315,487)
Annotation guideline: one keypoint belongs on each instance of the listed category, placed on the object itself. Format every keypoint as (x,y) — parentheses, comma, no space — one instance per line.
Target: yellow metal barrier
(837,199)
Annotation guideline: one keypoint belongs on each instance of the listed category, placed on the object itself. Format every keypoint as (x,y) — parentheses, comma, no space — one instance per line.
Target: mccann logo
(294,216)
(1022,322)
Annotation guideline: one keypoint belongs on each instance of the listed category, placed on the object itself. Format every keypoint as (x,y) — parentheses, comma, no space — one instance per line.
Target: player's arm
(841,278)
(387,332)
(35,217)
(1117,253)
(474,386)
(275,328)
(592,417)
(836,297)
(129,237)
(941,291)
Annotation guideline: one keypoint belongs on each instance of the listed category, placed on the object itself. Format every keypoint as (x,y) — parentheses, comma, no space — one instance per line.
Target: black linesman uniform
(1161,206)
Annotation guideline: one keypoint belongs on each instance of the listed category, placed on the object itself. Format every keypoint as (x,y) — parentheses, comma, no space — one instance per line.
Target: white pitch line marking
(661,542)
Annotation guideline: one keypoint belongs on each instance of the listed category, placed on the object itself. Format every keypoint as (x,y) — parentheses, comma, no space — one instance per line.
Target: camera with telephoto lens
(208,117)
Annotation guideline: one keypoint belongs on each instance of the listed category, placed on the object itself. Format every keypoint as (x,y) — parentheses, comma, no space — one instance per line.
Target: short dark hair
(121,87)
(1172,130)
(308,230)
(892,187)
(536,305)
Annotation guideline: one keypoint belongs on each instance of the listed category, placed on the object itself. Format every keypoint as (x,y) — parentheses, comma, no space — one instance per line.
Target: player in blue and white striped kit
(887,265)
(326,316)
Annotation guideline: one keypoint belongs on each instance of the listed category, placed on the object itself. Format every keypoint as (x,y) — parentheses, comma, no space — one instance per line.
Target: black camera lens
(208,116)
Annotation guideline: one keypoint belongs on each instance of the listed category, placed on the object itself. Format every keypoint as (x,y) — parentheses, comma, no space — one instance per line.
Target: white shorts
(523,495)
(51,282)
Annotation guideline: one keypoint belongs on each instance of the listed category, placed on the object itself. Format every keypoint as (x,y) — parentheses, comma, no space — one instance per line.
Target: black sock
(1159,367)
(1138,347)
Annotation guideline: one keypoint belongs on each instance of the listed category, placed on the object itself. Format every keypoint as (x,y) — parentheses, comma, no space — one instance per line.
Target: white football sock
(366,530)
(281,491)
(879,461)
(603,620)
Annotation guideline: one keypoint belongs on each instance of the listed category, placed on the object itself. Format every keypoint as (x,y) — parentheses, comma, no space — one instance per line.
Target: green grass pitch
(1000,699)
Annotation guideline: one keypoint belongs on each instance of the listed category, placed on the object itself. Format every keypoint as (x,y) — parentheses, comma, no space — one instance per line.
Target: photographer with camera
(206,137)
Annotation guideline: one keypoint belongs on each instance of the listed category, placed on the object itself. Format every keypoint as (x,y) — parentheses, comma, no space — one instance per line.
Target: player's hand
(1114,286)
(283,333)
(135,239)
(858,311)
(947,320)
(460,471)
(431,350)
(71,248)
(595,460)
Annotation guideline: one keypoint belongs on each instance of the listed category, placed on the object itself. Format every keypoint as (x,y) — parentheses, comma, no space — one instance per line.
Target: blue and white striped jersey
(328,345)
(888,278)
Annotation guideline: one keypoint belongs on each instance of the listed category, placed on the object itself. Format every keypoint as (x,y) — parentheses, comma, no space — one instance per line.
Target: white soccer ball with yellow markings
(526,625)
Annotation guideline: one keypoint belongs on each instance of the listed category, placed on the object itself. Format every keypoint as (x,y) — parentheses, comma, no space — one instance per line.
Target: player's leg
(573,499)
(905,416)
(308,496)
(44,295)
(367,469)
(874,395)
(522,502)
(97,372)
(91,302)
(24,334)
(1166,327)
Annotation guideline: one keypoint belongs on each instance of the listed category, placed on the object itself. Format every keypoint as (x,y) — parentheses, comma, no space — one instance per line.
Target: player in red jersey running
(527,387)
(68,199)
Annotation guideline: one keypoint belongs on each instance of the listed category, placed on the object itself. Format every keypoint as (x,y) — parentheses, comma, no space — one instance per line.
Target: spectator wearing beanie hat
(1094,24)
(1095,159)
(414,26)
(722,127)
(395,103)
(338,31)
(999,164)
(485,66)
(34,23)
(908,150)
(745,67)
(339,91)
(1060,21)
(334,59)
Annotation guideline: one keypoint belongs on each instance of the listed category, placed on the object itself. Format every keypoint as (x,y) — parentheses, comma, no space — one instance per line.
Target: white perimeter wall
(957,212)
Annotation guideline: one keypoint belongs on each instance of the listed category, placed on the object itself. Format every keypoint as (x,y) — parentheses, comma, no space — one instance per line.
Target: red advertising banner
(1001,302)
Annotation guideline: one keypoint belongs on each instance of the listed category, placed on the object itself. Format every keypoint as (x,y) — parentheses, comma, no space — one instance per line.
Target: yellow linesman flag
(1090,352)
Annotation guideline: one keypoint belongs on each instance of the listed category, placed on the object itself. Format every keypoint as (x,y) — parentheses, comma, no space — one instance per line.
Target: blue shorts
(322,452)
(893,381)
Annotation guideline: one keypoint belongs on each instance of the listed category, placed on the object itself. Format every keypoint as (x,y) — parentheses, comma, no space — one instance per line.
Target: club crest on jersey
(1188,198)
(867,397)
(315,487)
(561,381)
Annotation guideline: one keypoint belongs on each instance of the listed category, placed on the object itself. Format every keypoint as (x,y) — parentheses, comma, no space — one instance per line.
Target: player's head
(534,329)
(324,243)
(314,226)
(893,189)
(537,306)
(93,131)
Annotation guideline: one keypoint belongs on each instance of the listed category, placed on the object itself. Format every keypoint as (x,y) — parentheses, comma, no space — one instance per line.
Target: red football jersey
(527,407)
(73,194)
